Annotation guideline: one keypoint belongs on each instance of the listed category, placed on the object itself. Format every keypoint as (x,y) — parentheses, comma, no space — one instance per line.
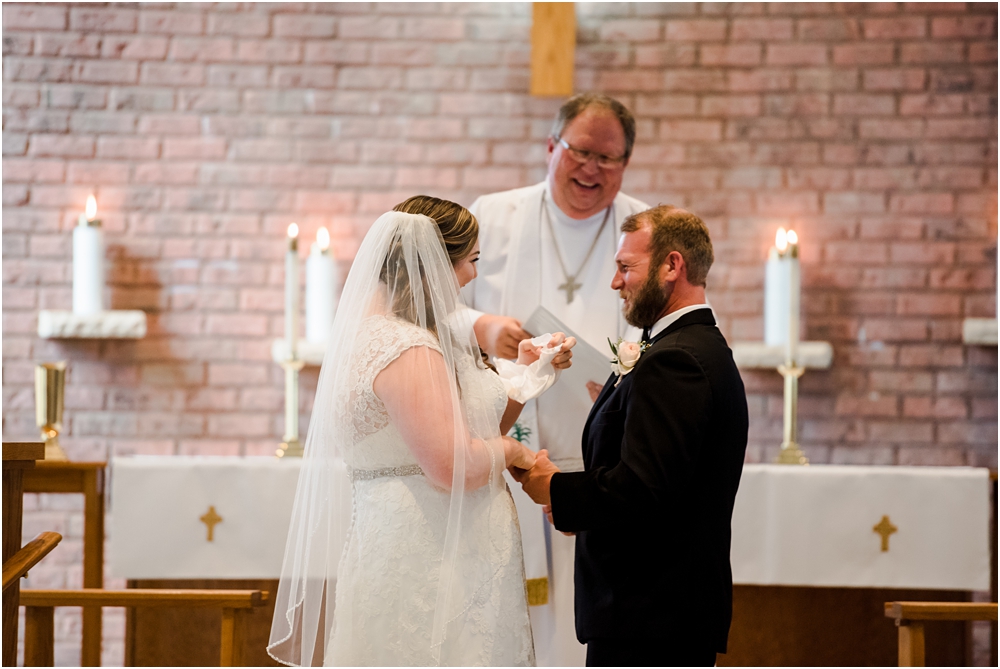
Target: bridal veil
(401,271)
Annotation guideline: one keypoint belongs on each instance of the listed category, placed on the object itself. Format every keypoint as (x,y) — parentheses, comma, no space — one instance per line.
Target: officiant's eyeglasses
(583,157)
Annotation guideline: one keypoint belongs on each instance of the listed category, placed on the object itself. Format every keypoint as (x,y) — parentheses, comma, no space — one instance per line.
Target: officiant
(552,245)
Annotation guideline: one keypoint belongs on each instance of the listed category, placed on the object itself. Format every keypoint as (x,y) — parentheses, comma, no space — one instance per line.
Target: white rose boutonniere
(626,355)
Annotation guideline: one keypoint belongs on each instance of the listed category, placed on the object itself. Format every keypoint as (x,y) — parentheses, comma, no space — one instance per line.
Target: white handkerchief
(526,382)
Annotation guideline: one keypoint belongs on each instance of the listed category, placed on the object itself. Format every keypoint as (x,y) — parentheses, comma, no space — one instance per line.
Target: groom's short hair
(676,229)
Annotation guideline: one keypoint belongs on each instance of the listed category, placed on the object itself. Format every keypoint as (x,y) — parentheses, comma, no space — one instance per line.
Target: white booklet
(589,364)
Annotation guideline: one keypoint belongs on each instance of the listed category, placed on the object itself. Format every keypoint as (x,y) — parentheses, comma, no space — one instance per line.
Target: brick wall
(205,129)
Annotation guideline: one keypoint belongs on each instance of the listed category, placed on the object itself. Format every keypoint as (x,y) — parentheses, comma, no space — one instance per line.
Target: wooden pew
(910,617)
(18,457)
(29,555)
(87,478)
(40,615)
(17,567)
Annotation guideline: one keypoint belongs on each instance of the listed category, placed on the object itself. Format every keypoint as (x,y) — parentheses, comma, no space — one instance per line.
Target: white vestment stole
(516,253)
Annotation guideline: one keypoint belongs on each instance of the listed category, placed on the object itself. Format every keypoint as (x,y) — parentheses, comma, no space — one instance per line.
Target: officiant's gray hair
(578,104)
(676,229)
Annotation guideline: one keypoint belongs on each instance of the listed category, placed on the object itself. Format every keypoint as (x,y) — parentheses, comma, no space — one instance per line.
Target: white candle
(292,290)
(776,292)
(794,298)
(320,300)
(88,262)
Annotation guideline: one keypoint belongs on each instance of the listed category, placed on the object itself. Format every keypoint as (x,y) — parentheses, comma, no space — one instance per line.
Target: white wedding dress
(388,573)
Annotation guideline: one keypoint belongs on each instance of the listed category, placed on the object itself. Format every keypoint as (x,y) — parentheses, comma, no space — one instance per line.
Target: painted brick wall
(204,129)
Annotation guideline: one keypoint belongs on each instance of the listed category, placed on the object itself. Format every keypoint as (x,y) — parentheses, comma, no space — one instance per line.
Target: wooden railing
(88,478)
(18,457)
(29,555)
(910,617)
(40,605)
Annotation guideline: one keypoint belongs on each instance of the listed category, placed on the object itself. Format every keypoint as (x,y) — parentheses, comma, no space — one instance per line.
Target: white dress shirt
(662,324)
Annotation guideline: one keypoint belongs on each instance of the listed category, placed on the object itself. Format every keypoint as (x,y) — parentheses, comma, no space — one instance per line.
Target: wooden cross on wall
(553,47)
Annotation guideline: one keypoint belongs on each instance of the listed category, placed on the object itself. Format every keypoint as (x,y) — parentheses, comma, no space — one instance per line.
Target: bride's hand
(564,360)
(528,353)
(517,454)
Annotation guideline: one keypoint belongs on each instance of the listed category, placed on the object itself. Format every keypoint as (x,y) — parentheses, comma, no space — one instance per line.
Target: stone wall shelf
(311,353)
(979,331)
(758,355)
(116,324)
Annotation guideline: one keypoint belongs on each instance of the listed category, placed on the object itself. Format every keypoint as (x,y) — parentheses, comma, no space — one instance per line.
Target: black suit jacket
(663,454)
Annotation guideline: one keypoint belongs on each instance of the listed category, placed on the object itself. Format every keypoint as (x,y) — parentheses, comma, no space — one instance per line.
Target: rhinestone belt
(384,472)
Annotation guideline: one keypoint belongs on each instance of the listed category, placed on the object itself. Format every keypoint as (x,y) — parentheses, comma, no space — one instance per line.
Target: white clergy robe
(519,270)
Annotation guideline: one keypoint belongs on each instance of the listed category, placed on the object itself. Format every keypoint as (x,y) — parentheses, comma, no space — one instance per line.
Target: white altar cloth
(808,526)
(813,526)
(157,503)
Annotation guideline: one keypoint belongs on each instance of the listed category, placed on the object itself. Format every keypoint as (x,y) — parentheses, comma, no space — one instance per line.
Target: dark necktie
(645,335)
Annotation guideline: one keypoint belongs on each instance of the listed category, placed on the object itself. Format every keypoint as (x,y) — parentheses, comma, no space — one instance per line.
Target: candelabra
(790,453)
(50,389)
(291,447)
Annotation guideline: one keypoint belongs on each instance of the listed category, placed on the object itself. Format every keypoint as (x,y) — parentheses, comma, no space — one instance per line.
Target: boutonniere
(626,355)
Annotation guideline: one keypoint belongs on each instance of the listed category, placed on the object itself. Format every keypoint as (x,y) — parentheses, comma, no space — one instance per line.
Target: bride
(404,547)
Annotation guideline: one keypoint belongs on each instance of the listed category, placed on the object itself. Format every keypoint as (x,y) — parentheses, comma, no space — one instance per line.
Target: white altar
(811,526)
(809,544)
(162,509)
(816,526)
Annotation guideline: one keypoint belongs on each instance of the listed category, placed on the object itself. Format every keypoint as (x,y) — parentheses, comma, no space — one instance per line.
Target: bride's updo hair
(459,228)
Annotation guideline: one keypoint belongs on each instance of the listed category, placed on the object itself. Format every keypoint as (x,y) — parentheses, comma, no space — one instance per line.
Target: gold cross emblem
(885,529)
(211,519)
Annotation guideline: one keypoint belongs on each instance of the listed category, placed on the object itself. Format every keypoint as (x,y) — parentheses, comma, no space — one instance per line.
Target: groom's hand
(535,481)
(547,509)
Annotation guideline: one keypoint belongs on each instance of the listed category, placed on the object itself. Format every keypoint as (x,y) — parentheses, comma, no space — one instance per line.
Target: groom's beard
(648,304)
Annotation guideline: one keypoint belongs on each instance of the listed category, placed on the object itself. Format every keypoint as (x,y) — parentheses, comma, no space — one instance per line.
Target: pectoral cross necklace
(571,286)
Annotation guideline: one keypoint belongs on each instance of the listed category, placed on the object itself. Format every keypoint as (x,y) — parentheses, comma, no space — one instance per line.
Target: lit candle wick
(91,208)
(781,240)
(323,239)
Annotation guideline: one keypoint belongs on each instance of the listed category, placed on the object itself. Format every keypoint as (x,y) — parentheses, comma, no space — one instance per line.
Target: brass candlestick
(790,453)
(50,389)
(290,447)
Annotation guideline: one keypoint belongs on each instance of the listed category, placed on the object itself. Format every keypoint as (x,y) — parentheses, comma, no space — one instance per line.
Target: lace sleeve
(386,339)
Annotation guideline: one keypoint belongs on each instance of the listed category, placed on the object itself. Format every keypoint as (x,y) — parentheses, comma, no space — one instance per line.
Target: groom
(663,450)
